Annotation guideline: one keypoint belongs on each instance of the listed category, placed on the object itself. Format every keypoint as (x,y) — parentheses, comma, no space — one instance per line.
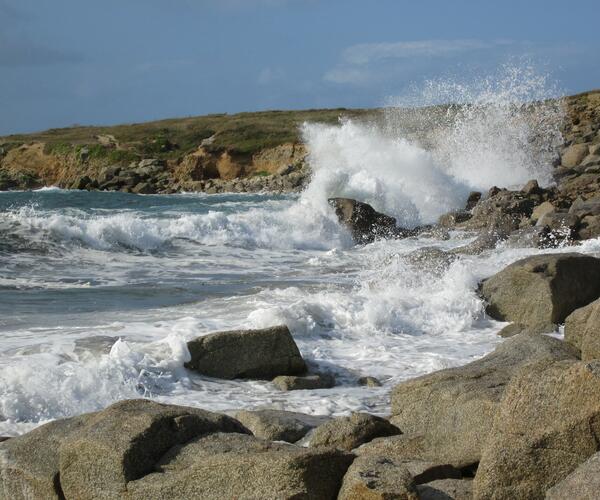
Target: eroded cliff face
(30,166)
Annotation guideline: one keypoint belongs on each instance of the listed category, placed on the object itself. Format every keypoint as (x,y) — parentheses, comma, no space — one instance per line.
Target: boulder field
(520,423)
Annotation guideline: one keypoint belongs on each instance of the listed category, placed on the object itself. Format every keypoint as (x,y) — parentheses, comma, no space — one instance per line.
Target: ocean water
(99,292)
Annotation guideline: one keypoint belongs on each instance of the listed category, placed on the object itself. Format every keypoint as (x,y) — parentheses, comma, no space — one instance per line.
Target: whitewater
(100,291)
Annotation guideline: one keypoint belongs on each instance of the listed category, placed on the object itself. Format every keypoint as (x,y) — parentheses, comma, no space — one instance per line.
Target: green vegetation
(241,134)
(261,173)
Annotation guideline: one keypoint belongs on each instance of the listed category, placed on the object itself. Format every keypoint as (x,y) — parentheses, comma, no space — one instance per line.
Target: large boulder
(547,425)
(363,221)
(243,467)
(260,354)
(446,415)
(583,483)
(378,478)
(502,211)
(446,489)
(124,443)
(542,289)
(278,425)
(582,330)
(347,433)
(29,463)
(573,155)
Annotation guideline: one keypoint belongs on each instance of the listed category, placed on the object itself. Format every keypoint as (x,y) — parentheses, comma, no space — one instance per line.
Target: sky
(102,62)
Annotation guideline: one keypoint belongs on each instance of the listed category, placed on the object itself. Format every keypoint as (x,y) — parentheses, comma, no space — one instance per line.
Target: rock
(574,154)
(451,219)
(82,182)
(583,208)
(369,382)
(347,433)
(377,478)
(503,211)
(277,425)
(446,415)
(591,160)
(582,330)
(144,188)
(261,354)
(487,240)
(151,162)
(308,382)
(542,289)
(589,227)
(548,423)
(472,200)
(582,484)
(446,489)
(541,210)
(363,221)
(125,441)
(29,467)
(532,187)
(236,466)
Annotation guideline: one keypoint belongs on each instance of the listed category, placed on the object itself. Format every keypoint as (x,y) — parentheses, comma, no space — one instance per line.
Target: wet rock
(261,354)
(589,227)
(548,423)
(369,382)
(583,208)
(574,154)
(363,221)
(451,219)
(377,478)
(472,200)
(542,289)
(277,425)
(29,464)
(446,415)
(238,466)
(504,211)
(541,210)
(347,433)
(582,330)
(307,382)
(144,188)
(582,484)
(532,187)
(82,182)
(446,489)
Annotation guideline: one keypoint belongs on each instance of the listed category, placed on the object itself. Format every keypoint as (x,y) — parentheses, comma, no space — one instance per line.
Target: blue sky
(64,62)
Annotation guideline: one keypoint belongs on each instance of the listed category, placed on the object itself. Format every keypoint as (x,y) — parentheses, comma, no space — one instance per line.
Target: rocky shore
(523,422)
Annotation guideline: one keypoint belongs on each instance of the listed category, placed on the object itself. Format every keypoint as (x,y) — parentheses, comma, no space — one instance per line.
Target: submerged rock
(446,415)
(260,354)
(278,425)
(347,433)
(369,382)
(548,423)
(542,289)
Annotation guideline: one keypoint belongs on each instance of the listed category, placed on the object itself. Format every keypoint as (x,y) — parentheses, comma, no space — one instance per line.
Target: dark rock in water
(82,182)
(347,433)
(446,489)
(542,289)
(472,200)
(369,382)
(277,425)
(582,330)
(547,424)
(124,442)
(446,415)
(307,382)
(224,466)
(583,483)
(364,222)
(371,477)
(260,354)
(144,188)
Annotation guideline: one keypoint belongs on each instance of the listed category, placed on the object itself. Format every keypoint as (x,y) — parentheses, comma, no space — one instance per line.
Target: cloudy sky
(64,62)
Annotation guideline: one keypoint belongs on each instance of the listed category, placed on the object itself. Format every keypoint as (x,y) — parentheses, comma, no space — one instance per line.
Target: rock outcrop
(582,330)
(583,483)
(548,424)
(542,290)
(446,415)
(260,354)
(347,433)
(278,425)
